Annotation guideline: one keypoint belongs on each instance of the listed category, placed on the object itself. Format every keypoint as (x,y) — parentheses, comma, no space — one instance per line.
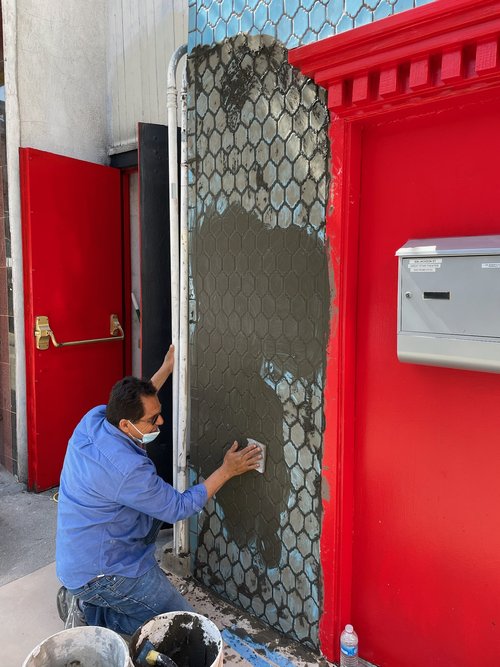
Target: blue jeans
(124,604)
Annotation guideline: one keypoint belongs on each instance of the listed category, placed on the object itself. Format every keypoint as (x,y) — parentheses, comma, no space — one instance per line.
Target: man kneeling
(111,505)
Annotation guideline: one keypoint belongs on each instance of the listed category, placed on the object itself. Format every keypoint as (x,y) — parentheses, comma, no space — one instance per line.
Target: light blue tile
(192,40)
(327,31)
(191,20)
(233,26)
(284,30)
(201,20)
(419,3)
(309,4)
(309,37)
(300,23)
(365,16)
(291,7)
(334,11)
(382,11)
(269,28)
(246,20)
(352,7)
(226,9)
(207,36)
(220,31)
(345,23)
(276,9)
(373,4)
(317,16)
(239,6)
(260,15)
(253,4)
(213,13)
(253,30)
(293,42)
(402,5)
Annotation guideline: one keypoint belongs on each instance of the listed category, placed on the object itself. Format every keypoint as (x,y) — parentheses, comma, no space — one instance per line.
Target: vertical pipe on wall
(174,232)
(179,287)
(181,528)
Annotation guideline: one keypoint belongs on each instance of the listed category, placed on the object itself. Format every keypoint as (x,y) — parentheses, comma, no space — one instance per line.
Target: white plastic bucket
(191,640)
(87,646)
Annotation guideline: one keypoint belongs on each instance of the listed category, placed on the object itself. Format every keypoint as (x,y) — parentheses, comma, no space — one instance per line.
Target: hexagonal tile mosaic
(258,151)
(292,22)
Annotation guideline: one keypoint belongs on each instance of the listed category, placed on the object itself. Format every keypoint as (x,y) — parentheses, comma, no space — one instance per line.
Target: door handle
(44,334)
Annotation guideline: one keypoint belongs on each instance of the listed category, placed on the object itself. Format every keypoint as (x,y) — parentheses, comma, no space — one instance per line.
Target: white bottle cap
(349,628)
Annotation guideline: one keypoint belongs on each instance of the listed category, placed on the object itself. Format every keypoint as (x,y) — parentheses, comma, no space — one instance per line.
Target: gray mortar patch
(258,151)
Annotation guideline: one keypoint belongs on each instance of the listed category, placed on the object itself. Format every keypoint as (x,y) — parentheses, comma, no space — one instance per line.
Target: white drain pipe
(179,333)
(181,534)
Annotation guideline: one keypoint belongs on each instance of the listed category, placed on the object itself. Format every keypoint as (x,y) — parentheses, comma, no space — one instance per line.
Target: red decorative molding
(448,48)
(404,59)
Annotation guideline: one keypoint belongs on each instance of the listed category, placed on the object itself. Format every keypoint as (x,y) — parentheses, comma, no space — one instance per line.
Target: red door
(426,542)
(72,240)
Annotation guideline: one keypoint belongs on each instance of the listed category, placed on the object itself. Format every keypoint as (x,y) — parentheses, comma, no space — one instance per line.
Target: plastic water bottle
(349,647)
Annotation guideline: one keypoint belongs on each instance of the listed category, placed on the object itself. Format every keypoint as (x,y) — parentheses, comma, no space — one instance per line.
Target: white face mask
(146,437)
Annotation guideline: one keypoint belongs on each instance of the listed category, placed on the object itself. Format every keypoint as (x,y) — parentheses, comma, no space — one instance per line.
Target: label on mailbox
(424,264)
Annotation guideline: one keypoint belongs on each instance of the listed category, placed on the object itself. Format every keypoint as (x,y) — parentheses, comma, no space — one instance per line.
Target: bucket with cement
(81,647)
(189,639)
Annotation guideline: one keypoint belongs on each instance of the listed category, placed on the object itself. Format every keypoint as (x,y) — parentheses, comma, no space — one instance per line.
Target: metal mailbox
(449,302)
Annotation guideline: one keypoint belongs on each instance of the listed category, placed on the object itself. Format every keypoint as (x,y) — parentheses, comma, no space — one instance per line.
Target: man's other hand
(168,362)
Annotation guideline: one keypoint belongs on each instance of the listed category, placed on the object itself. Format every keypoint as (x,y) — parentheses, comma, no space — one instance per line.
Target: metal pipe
(181,529)
(174,233)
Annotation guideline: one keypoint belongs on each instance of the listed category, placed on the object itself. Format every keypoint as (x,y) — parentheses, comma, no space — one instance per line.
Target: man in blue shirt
(111,504)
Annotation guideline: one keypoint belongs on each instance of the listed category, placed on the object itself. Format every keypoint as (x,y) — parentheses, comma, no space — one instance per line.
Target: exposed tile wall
(292,22)
(258,152)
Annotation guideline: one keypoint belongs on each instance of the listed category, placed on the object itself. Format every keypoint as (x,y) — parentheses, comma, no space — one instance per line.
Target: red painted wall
(426,546)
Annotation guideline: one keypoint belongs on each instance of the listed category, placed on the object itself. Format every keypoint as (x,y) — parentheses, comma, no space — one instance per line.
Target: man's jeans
(124,604)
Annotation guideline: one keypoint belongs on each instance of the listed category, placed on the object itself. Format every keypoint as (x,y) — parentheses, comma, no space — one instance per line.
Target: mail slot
(449,302)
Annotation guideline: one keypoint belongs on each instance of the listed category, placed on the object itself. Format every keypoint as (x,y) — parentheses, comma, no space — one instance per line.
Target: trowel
(150,656)
(262,462)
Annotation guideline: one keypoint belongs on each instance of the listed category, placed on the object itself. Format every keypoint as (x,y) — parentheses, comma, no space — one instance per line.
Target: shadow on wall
(262,322)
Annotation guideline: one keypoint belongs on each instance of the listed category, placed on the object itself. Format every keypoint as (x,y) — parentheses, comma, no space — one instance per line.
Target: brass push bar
(44,334)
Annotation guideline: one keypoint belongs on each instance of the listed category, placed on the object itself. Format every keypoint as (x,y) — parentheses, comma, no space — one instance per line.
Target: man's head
(134,408)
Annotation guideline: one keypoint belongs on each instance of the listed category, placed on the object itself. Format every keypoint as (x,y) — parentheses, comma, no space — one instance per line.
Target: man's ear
(124,426)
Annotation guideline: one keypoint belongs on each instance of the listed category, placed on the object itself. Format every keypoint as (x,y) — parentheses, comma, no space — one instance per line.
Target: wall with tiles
(258,151)
(292,22)
(258,158)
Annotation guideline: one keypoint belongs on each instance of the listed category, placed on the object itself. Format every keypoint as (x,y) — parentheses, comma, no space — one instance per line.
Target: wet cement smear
(185,641)
(260,286)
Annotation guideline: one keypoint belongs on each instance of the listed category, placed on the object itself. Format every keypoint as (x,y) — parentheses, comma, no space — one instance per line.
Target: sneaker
(69,609)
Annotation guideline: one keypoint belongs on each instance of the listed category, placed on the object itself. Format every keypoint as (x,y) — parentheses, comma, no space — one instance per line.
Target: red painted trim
(338,467)
(444,49)
(454,42)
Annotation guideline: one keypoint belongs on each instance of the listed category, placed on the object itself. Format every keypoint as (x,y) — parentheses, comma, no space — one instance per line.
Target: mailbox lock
(408,295)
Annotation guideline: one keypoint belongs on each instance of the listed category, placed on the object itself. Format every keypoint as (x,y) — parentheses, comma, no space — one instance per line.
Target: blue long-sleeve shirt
(108,496)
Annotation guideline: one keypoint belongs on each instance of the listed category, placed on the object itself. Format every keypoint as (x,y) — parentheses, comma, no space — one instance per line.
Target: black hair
(125,399)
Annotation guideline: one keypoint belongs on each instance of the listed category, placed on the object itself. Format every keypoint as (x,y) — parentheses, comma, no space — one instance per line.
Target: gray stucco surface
(258,151)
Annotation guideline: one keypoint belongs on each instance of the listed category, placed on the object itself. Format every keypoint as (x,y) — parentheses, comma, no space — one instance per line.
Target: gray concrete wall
(55,85)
